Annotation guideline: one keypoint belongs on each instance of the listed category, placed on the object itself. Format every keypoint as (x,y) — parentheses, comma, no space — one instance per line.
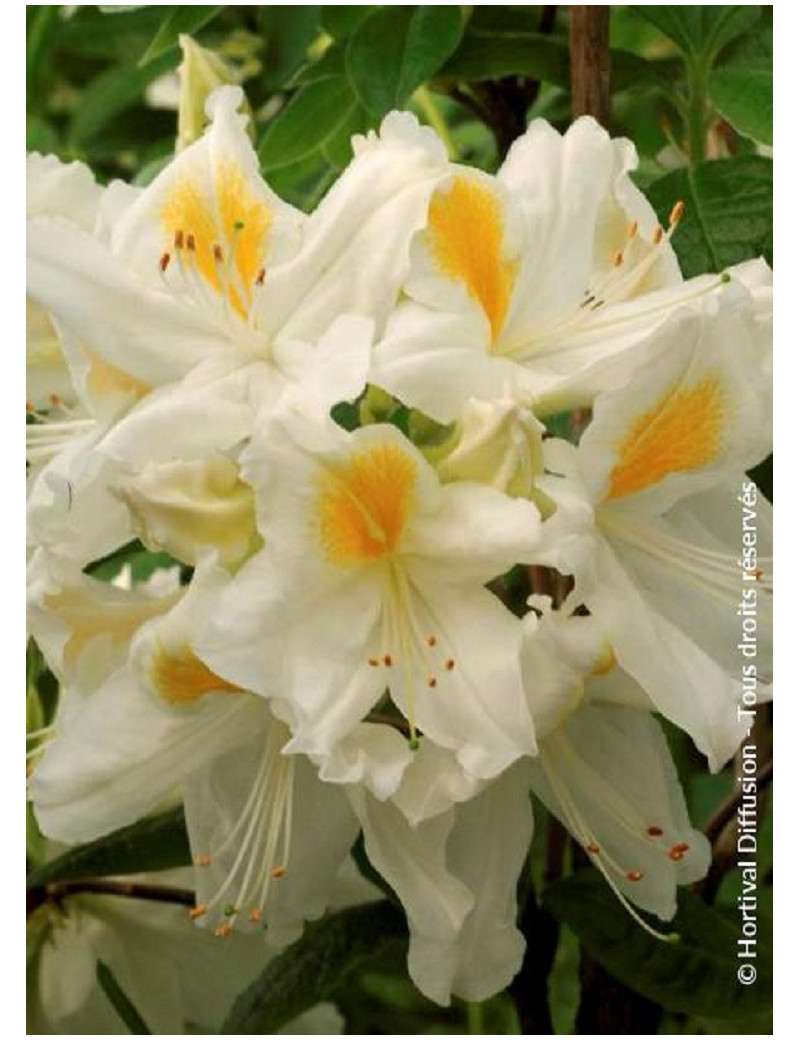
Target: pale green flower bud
(497,443)
(200,72)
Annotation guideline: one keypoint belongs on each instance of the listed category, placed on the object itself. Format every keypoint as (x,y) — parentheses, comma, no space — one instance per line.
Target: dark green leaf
(111,93)
(341,22)
(338,149)
(38,39)
(743,95)
(39,135)
(398,48)
(486,55)
(312,968)
(728,215)
(142,562)
(695,975)
(701,29)
(289,32)
(184,19)
(312,117)
(156,843)
(120,1001)
(330,64)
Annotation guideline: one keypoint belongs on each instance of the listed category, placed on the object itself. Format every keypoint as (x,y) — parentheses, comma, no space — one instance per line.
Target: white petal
(608,775)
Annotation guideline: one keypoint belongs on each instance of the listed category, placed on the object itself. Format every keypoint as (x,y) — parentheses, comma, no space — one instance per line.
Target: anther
(217,250)
(29,407)
(278,872)
(55,400)
(592,847)
(682,846)
(191,245)
(676,854)
(255,915)
(658,234)
(633,229)
(229,910)
(262,274)
(758,573)
(654,832)
(634,875)
(373,661)
(387,660)
(431,640)
(178,239)
(413,743)
(163,263)
(223,931)
(238,225)
(616,259)
(432,684)
(677,212)
(202,861)
(449,664)
(198,911)
(725,277)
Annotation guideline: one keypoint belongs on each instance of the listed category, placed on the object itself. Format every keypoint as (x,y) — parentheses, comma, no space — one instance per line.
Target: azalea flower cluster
(341,427)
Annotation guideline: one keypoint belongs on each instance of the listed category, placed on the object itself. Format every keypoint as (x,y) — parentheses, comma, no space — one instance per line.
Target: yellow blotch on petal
(684,432)
(106,380)
(225,234)
(466,235)
(181,678)
(87,619)
(363,504)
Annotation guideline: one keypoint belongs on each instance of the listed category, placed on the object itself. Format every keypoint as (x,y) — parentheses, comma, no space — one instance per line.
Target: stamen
(191,244)
(592,847)
(676,854)
(262,274)
(387,660)
(373,662)
(658,234)
(634,875)
(178,240)
(633,229)
(654,832)
(278,872)
(450,664)
(202,861)
(163,263)
(198,911)
(255,915)
(677,212)
(432,684)
(431,640)
(223,931)
(616,259)
(217,251)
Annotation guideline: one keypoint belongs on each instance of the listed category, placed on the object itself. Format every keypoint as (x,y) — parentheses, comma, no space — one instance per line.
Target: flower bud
(200,72)
(497,443)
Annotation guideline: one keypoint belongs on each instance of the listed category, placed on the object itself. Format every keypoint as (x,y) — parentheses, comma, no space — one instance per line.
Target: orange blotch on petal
(685,431)
(181,678)
(466,235)
(363,504)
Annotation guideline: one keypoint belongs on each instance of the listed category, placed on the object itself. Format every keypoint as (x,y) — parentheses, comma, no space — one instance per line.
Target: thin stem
(474,1018)
(590,61)
(58,890)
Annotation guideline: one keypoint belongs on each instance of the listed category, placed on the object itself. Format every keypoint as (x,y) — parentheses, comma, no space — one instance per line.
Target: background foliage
(692,87)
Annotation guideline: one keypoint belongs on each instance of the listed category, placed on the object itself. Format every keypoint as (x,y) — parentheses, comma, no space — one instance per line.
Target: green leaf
(120,1001)
(396,48)
(341,22)
(289,32)
(743,95)
(312,117)
(491,54)
(111,93)
(728,215)
(701,29)
(695,975)
(38,39)
(156,843)
(185,19)
(313,967)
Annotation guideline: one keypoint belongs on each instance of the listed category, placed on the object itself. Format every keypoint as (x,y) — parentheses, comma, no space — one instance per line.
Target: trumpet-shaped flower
(371,580)
(651,515)
(604,767)
(537,278)
(268,837)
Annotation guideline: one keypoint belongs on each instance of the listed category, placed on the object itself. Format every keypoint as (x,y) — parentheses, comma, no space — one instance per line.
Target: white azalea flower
(371,579)
(536,278)
(649,520)
(604,767)
(268,837)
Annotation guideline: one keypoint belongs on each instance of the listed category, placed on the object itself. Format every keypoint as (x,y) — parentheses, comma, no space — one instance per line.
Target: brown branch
(590,61)
(59,890)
